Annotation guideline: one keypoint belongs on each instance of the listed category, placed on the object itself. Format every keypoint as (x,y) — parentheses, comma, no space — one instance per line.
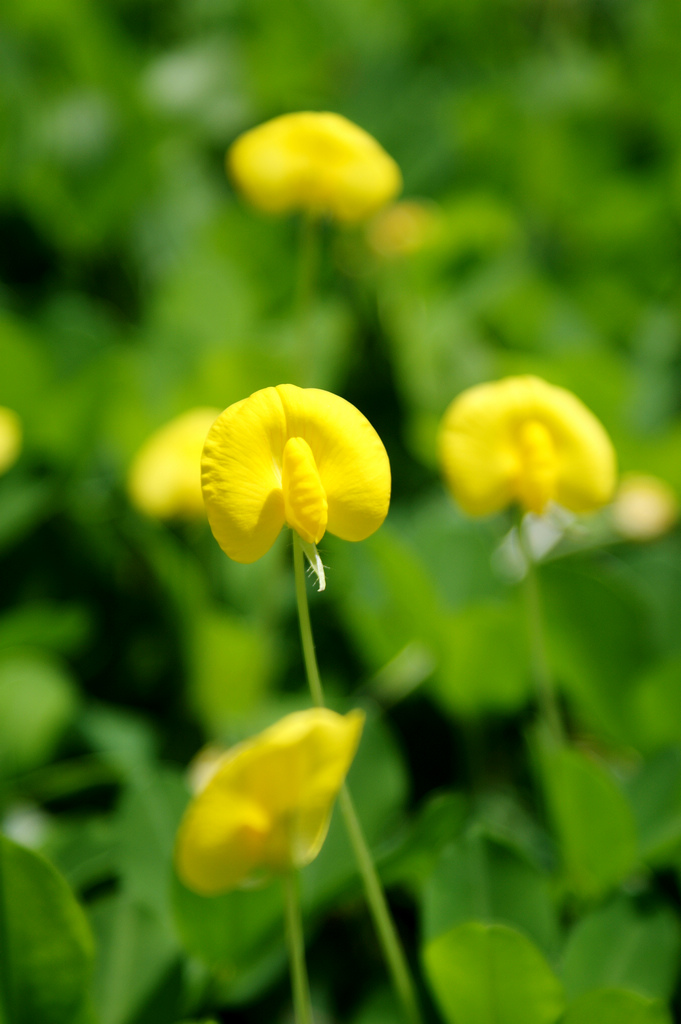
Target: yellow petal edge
(523,440)
(292,455)
(318,162)
(10,438)
(267,806)
(164,480)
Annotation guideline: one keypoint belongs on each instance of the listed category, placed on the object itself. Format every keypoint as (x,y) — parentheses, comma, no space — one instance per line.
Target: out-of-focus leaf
(655,706)
(24,504)
(594,823)
(85,851)
(232,664)
(61,628)
(439,821)
(135,955)
(623,946)
(485,666)
(38,700)
(477,653)
(489,972)
(47,954)
(600,641)
(613,1006)
(381,1008)
(655,797)
(477,879)
(125,740)
(147,820)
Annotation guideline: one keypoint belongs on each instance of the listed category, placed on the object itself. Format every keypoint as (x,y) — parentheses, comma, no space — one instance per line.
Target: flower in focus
(293,455)
(317,162)
(10,438)
(165,477)
(523,440)
(645,507)
(403,228)
(267,806)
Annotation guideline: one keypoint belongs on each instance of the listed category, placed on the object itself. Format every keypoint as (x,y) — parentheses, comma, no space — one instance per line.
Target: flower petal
(482,451)
(241,475)
(268,804)
(352,461)
(165,477)
(319,162)
(10,438)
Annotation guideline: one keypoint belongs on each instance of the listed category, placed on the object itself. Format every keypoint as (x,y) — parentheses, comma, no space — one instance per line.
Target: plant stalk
(295,941)
(543,676)
(378,905)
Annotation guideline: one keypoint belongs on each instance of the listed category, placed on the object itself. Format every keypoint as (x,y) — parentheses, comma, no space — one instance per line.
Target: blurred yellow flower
(317,162)
(165,477)
(292,455)
(403,228)
(523,440)
(267,806)
(10,438)
(645,507)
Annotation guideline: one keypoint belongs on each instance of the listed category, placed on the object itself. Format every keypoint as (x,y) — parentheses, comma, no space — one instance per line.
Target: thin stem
(296,950)
(308,258)
(543,676)
(378,905)
(383,922)
(305,625)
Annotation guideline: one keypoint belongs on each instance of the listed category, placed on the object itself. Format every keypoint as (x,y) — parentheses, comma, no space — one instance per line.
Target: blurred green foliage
(529,884)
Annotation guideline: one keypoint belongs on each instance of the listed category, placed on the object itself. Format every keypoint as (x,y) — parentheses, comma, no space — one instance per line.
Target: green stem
(309,655)
(378,905)
(296,950)
(308,258)
(383,922)
(543,676)
(6,1000)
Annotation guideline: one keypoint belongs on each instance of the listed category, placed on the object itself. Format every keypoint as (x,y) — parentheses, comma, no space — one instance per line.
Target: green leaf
(656,706)
(491,974)
(148,818)
(46,949)
(136,952)
(478,879)
(231,667)
(38,700)
(655,796)
(624,946)
(60,627)
(592,818)
(598,627)
(612,1006)
(485,659)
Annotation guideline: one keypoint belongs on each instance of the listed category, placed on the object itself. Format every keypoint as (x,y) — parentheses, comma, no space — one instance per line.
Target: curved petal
(352,461)
(241,476)
(319,162)
(305,504)
(165,476)
(268,804)
(484,455)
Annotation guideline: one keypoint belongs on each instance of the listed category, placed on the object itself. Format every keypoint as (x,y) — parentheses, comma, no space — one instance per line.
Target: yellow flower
(10,438)
(292,455)
(645,507)
(165,477)
(317,162)
(523,440)
(267,806)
